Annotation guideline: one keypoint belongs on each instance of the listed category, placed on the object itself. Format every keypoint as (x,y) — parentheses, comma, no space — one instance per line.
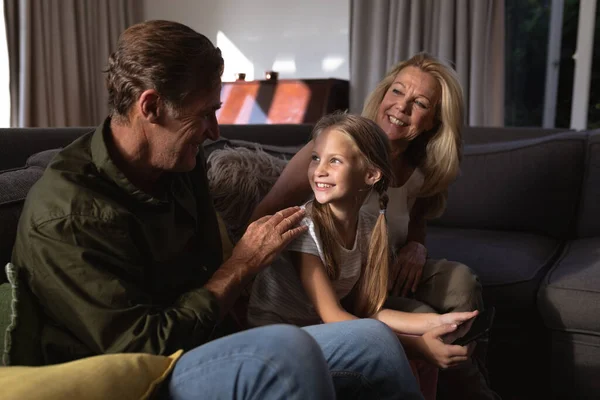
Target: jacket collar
(106,166)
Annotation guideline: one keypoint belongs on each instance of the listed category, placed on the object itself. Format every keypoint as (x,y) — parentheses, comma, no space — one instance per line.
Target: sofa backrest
(492,134)
(14,186)
(276,134)
(527,185)
(17,144)
(588,218)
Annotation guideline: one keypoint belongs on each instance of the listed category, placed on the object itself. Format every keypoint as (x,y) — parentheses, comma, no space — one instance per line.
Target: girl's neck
(345,217)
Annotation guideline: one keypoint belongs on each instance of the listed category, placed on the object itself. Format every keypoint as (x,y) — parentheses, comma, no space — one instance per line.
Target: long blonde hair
(373,144)
(436,152)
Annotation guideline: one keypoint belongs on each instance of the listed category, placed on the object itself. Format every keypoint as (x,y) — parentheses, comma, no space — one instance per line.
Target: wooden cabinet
(283,101)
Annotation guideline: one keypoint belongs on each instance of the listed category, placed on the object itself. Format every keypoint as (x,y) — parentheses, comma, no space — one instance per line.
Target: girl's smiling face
(337,169)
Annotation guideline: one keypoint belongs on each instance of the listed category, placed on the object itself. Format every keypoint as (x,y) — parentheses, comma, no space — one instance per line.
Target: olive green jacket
(115,269)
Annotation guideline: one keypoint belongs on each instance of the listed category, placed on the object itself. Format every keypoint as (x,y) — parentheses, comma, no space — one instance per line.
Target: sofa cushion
(42,159)
(588,220)
(14,186)
(498,257)
(109,376)
(509,265)
(569,297)
(239,178)
(529,186)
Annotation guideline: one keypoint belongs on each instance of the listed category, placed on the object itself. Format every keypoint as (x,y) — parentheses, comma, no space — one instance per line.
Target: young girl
(344,256)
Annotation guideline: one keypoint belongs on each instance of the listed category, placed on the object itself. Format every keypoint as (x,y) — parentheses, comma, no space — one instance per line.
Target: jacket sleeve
(91,282)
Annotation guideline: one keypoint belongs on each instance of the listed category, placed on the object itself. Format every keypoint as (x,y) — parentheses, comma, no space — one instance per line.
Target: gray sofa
(524,215)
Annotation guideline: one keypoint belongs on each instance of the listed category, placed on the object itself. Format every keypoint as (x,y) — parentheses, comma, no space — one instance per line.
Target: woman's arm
(318,287)
(417,225)
(406,273)
(292,187)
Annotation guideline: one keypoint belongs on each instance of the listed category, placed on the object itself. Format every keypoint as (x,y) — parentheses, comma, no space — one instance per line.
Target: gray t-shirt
(277,293)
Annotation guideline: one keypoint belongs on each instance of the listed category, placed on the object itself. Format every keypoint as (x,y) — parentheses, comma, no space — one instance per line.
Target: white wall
(297,38)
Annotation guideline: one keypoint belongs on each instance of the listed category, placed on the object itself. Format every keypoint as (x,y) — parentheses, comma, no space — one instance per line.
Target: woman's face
(409,106)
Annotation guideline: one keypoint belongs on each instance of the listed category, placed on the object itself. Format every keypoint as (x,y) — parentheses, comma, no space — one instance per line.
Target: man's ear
(373,176)
(150,106)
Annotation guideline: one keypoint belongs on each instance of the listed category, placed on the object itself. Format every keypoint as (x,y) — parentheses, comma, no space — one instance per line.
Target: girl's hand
(440,354)
(456,318)
(463,320)
(408,268)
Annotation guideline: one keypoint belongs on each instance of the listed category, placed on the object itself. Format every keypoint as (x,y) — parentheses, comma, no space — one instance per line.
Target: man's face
(181,138)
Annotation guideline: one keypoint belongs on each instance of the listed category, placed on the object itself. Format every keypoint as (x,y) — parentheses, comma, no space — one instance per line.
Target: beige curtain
(469,34)
(58,50)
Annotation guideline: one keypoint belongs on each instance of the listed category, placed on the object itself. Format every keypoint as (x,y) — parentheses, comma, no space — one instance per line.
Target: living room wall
(307,39)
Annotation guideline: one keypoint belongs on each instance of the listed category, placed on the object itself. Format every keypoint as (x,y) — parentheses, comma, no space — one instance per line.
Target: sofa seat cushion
(569,297)
(510,265)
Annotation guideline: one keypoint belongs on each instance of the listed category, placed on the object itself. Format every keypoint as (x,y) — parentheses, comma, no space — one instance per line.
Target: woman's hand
(408,268)
(437,352)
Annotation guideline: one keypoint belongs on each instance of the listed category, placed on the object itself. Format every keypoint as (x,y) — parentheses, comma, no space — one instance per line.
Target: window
(528,25)
(4,74)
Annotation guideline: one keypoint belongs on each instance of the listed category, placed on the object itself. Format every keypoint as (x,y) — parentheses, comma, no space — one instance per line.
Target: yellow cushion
(109,376)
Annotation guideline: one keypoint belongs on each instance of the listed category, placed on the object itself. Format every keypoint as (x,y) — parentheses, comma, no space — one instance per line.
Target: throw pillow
(22,344)
(109,376)
(238,179)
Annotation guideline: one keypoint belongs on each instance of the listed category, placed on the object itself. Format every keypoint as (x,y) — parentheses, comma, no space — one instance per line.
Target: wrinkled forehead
(422,82)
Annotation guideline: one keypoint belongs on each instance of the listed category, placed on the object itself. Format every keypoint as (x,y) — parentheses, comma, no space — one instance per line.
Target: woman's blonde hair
(438,151)
(372,143)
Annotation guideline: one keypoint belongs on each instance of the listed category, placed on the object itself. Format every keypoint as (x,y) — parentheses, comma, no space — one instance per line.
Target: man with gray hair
(120,245)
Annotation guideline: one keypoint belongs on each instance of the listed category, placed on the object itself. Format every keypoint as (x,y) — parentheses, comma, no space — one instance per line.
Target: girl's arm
(419,323)
(318,287)
(432,348)
(292,187)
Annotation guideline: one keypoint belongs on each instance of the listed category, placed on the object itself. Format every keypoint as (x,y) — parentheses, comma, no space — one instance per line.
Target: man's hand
(259,246)
(267,237)
(408,268)
(437,352)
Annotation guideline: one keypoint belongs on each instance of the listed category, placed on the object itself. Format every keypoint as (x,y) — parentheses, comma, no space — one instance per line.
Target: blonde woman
(419,105)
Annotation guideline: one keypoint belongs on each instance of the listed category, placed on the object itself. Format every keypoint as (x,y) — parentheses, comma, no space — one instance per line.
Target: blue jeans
(353,359)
